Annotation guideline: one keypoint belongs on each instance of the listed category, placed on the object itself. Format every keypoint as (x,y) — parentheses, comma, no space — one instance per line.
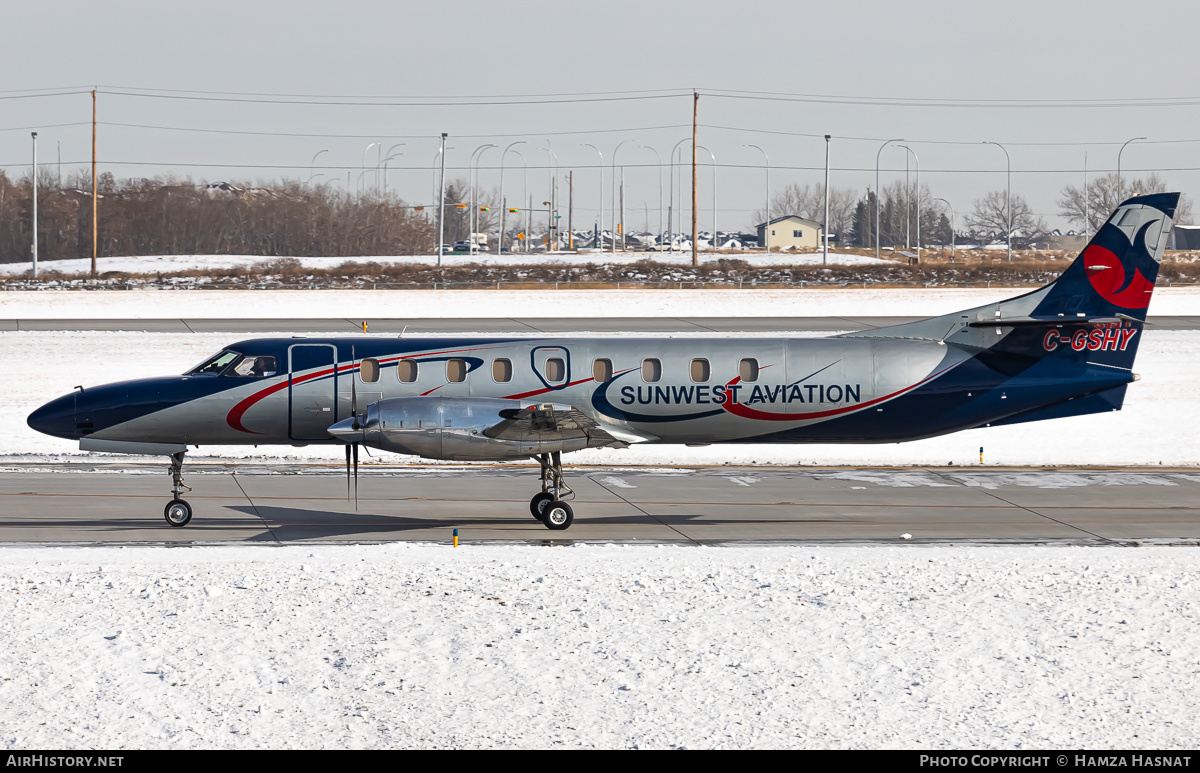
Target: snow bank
(152,264)
(422,646)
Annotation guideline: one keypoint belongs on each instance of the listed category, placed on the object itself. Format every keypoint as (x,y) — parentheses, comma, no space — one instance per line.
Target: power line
(399,102)
(375,136)
(277,94)
(44,94)
(945,142)
(41,126)
(846,99)
(593,165)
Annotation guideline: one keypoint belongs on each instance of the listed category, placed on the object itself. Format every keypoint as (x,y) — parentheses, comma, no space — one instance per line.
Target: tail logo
(1127,283)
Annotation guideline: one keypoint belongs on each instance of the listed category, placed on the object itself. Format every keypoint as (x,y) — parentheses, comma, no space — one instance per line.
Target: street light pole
(364,160)
(671,184)
(825,225)
(951,227)
(600,216)
(1008,195)
(35,220)
(767,226)
(388,157)
(660,195)
(552,194)
(503,201)
(712,242)
(620,224)
(1119,152)
(918,160)
(471,184)
(385,171)
(524,194)
(877,191)
(313,162)
(442,204)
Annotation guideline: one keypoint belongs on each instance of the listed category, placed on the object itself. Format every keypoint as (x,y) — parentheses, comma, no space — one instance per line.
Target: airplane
(1066,349)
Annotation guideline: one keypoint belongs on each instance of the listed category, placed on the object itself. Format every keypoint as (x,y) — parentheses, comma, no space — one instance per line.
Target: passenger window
(501,370)
(602,371)
(406,371)
(456,371)
(748,370)
(254,367)
(651,370)
(700,370)
(556,370)
(368,370)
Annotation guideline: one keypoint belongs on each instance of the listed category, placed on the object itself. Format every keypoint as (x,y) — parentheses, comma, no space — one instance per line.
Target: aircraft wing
(544,421)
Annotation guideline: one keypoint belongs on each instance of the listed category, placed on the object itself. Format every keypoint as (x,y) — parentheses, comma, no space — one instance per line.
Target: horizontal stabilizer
(1079,319)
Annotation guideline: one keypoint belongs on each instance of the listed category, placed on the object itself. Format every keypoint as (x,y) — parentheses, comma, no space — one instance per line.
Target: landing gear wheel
(558,516)
(537,505)
(178,513)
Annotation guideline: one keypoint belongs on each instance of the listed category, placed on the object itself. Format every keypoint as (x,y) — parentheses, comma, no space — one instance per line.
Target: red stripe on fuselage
(523,395)
(738,409)
(234,417)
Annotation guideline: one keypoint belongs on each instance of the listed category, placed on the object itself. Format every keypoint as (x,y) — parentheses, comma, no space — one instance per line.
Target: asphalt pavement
(260,503)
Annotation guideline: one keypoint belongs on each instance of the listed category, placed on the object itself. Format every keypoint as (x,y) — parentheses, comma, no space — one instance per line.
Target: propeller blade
(347,473)
(355,476)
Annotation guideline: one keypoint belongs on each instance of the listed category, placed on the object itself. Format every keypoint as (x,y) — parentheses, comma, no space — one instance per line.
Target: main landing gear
(177,512)
(550,506)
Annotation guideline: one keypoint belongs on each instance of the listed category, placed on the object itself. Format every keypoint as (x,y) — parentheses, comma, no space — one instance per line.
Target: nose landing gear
(177,512)
(550,506)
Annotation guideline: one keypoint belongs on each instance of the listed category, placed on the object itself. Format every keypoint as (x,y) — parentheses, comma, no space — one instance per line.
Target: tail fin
(1115,273)
(1092,314)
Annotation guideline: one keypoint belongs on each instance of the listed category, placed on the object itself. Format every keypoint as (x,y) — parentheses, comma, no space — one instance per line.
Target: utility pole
(95,230)
(35,223)
(695,225)
(442,205)
(571,210)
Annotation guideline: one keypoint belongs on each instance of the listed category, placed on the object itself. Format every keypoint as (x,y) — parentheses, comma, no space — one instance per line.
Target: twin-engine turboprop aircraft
(1066,349)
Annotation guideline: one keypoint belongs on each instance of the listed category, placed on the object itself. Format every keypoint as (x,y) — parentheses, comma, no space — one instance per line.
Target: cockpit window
(251,366)
(215,365)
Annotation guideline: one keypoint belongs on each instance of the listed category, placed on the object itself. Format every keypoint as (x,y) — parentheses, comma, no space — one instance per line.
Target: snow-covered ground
(508,304)
(169,263)
(600,646)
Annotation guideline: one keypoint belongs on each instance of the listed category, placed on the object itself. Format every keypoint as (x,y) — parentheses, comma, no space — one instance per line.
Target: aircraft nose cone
(56,418)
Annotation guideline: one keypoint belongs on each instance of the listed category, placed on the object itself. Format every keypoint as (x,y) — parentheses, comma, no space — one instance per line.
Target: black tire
(558,516)
(177,513)
(537,505)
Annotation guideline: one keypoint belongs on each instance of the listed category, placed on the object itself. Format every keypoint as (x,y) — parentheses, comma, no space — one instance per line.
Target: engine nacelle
(452,428)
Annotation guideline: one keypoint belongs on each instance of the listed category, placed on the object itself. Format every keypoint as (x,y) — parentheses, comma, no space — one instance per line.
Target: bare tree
(1101,199)
(178,216)
(991,215)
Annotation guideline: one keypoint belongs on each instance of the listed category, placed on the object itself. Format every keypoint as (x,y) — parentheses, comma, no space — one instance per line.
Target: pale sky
(1019,50)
